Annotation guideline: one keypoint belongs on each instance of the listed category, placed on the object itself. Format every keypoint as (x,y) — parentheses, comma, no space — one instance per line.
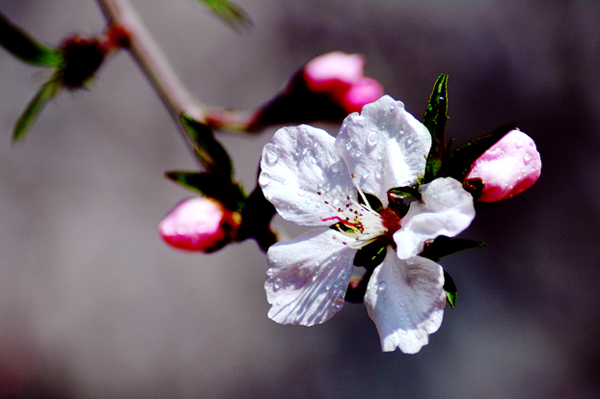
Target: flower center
(357,222)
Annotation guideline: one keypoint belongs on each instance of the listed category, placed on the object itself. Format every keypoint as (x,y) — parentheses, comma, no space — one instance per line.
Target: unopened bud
(507,168)
(341,76)
(199,224)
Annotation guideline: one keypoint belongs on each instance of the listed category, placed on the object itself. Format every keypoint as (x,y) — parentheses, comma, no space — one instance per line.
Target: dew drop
(308,200)
(328,285)
(527,157)
(298,206)
(379,173)
(272,154)
(520,143)
(403,331)
(365,174)
(317,205)
(372,138)
(269,196)
(339,302)
(392,108)
(264,179)
(334,255)
(277,283)
(358,153)
(315,276)
(381,287)
(409,141)
(335,168)
(410,261)
(380,156)
(335,202)
(302,192)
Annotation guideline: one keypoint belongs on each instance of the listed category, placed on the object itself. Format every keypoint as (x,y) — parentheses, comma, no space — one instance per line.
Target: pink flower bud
(507,168)
(199,224)
(341,76)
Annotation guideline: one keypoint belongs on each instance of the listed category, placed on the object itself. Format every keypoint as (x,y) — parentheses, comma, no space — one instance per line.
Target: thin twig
(153,63)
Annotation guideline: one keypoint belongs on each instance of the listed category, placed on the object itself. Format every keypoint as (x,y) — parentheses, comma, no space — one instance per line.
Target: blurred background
(94,305)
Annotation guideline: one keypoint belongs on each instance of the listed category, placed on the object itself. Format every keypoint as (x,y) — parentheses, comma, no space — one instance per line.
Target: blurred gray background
(94,305)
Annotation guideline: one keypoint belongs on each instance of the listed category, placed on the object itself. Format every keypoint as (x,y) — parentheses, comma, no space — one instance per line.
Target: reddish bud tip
(199,224)
(507,168)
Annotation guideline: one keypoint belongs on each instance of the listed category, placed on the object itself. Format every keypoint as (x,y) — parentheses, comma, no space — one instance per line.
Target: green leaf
(48,91)
(450,289)
(435,119)
(225,191)
(371,255)
(405,192)
(460,161)
(23,46)
(444,246)
(235,16)
(211,154)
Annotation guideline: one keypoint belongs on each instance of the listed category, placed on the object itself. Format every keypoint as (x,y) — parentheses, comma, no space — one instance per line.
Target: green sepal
(231,195)
(444,246)
(405,192)
(48,91)
(371,255)
(435,119)
(27,49)
(211,154)
(461,160)
(374,202)
(450,289)
(235,16)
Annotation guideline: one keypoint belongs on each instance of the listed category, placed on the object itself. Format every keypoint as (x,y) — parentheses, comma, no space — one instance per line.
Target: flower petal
(406,300)
(445,209)
(298,164)
(308,277)
(384,147)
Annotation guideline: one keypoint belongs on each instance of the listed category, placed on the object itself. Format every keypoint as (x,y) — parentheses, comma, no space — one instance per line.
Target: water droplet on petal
(308,200)
(372,138)
(379,173)
(272,154)
(409,141)
(392,108)
(269,196)
(403,331)
(381,287)
(527,157)
(380,156)
(277,283)
(264,179)
(328,285)
(365,174)
(335,168)
(520,143)
(301,191)
(338,303)
(358,153)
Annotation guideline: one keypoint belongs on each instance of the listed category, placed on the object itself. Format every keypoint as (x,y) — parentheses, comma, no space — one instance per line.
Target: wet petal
(302,175)
(308,277)
(445,209)
(384,146)
(406,300)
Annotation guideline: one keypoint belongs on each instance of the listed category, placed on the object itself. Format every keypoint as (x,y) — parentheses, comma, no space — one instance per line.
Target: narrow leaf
(23,46)
(48,91)
(225,191)
(460,161)
(211,154)
(450,289)
(235,16)
(444,246)
(405,192)
(435,119)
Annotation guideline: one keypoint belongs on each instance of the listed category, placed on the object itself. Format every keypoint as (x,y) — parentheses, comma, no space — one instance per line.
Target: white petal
(445,209)
(406,301)
(298,164)
(308,277)
(384,147)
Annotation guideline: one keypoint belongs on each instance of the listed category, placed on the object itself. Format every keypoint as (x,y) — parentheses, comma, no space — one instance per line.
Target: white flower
(314,179)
